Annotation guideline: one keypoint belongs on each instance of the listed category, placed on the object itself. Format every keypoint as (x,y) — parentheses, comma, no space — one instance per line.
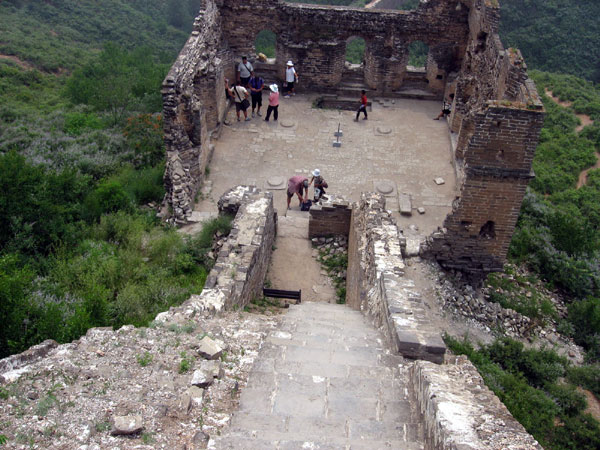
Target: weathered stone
(202,378)
(405,204)
(126,425)
(200,440)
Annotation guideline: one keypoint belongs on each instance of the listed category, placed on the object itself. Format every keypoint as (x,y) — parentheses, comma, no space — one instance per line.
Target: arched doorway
(354,63)
(355,51)
(416,67)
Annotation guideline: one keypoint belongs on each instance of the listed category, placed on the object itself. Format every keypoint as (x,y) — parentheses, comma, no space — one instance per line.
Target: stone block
(405,204)
(126,425)
(209,348)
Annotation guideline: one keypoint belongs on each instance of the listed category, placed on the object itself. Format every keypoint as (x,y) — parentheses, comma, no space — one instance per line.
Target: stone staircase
(325,380)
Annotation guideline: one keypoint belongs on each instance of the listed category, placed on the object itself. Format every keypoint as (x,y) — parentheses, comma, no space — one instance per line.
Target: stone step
(252,441)
(325,379)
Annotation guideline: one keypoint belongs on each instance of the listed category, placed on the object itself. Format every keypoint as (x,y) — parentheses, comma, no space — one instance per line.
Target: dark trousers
(362,108)
(274,110)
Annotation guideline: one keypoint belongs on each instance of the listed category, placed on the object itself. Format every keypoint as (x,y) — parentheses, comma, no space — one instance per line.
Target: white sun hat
(316,173)
(290,63)
(274,88)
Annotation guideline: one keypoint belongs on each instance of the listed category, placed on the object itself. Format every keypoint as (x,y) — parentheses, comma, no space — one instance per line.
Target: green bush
(526,382)
(77,122)
(588,377)
(585,317)
(143,185)
(109,196)
(119,81)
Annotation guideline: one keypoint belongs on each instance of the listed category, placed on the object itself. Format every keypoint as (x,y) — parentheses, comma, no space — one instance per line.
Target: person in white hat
(291,77)
(273,103)
(319,183)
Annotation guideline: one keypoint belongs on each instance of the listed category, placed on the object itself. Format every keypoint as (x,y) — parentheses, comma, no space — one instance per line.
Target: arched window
(266,42)
(417,54)
(355,50)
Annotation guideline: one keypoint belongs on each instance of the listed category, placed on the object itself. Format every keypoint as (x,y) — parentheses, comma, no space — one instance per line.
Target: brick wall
(330,219)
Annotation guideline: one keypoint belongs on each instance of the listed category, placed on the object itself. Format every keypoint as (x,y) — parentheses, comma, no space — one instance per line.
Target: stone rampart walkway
(324,380)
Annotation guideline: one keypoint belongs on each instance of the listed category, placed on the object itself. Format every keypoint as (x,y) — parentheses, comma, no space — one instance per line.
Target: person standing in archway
(291,77)
(244,72)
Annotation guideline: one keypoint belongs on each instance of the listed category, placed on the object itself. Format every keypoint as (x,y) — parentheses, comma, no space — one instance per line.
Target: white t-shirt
(245,70)
(239,90)
(290,75)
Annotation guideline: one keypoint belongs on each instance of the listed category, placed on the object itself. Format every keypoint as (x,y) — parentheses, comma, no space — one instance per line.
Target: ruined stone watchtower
(496,120)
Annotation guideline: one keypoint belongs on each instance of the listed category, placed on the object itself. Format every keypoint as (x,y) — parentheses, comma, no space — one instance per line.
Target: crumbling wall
(498,115)
(242,263)
(376,283)
(460,412)
(193,104)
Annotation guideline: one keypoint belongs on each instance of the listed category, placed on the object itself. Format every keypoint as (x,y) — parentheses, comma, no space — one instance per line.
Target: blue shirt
(256,83)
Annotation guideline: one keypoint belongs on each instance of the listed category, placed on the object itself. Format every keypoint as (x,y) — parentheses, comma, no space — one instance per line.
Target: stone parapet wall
(331,218)
(242,263)
(460,412)
(377,285)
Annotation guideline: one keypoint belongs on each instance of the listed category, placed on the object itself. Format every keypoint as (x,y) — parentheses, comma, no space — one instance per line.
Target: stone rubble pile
(162,387)
(462,299)
(330,247)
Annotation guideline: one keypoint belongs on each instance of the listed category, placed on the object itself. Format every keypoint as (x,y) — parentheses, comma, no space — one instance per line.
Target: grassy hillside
(62,35)
(81,157)
(555,35)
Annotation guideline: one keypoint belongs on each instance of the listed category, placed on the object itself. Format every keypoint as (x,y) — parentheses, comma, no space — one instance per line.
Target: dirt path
(584,118)
(585,121)
(22,64)
(583,175)
(293,263)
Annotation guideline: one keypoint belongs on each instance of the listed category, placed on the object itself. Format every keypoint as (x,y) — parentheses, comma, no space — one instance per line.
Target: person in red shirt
(363,105)
(296,185)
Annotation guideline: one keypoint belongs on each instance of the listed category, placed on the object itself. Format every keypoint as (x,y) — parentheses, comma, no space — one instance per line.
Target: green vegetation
(532,386)
(554,35)
(144,359)
(522,294)
(186,363)
(558,232)
(81,157)
(355,50)
(265,43)
(336,264)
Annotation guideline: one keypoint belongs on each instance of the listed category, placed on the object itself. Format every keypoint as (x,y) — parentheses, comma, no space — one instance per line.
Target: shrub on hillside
(527,382)
(585,316)
(144,135)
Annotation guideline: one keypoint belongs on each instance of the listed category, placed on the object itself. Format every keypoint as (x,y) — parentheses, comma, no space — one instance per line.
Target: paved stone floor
(325,381)
(399,144)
